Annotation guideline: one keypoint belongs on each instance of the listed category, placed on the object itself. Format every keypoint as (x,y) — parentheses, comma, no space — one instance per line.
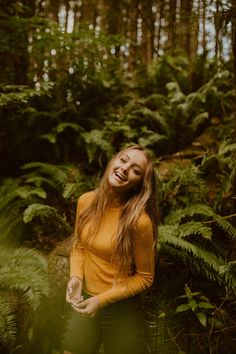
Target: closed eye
(137,172)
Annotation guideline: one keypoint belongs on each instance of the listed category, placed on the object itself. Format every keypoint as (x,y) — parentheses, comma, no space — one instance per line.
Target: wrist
(74,277)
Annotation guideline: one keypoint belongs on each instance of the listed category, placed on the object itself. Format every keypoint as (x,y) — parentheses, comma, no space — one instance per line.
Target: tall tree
(147,47)
(186,25)
(14,56)
(172,25)
(132,34)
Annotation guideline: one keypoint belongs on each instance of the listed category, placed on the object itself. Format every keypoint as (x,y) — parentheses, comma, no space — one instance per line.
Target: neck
(117,199)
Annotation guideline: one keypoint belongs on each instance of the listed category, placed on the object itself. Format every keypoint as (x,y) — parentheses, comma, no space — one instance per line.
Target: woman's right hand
(73,291)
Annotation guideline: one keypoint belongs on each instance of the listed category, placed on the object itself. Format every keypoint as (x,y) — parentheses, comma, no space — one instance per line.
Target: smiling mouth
(120,176)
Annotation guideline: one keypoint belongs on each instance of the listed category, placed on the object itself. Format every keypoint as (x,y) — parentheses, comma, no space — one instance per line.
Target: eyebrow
(134,164)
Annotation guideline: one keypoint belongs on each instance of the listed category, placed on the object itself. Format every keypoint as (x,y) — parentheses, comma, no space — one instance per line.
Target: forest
(79,80)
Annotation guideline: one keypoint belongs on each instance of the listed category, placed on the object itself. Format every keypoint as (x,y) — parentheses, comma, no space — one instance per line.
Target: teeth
(120,176)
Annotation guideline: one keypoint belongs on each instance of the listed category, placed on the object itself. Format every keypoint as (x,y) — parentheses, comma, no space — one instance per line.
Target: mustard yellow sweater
(92,262)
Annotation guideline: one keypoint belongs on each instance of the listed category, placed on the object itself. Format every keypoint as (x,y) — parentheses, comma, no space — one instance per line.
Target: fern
(227,227)
(96,140)
(65,125)
(226,148)
(52,137)
(23,277)
(58,174)
(194,228)
(38,181)
(185,185)
(175,94)
(8,328)
(23,94)
(44,211)
(24,271)
(192,253)
(177,216)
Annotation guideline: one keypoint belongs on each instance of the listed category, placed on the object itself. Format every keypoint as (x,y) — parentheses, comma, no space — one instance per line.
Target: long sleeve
(77,262)
(144,264)
(77,253)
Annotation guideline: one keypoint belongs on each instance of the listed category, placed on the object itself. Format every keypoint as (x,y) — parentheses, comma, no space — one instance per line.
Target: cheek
(137,180)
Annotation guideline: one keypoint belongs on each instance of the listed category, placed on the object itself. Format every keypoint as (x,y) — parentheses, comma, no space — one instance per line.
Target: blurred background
(78,81)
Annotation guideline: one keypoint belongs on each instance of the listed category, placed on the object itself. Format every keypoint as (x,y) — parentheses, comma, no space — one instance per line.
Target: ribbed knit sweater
(91,261)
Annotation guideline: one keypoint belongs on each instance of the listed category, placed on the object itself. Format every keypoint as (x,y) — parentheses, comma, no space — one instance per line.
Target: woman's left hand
(88,307)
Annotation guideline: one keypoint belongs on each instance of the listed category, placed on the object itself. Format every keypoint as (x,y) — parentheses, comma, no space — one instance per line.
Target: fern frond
(7,198)
(190,250)
(225,148)
(7,322)
(151,138)
(57,173)
(193,210)
(229,267)
(44,211)
(199,120)
(38,181)
(228,228)
(65,125)
(25,274)
(50,137)
(227,178)
(11,224)
(25,256)
(29,283)
(175,94)
(194,228)
(229,272)
(16,191)
(25,192)
(95,139)
(72,190)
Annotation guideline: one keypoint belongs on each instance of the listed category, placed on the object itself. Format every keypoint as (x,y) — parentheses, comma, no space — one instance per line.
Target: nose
(125,168)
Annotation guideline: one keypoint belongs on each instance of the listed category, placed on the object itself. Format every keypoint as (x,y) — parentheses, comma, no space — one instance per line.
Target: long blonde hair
(139,200)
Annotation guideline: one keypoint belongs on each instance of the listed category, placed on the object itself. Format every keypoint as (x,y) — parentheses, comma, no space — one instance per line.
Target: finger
(81,312)
(83,304)
(78,300)
(68,297)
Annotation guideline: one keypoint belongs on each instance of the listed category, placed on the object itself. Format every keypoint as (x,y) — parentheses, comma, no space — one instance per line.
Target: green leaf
(199,119)
(195,228)
(52,138)
(202,318)
(205,305)
(27,191)
(8,327)
(64,125)
(193,305)
(183,307)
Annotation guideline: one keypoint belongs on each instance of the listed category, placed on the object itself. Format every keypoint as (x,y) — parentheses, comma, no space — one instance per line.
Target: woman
(112,259)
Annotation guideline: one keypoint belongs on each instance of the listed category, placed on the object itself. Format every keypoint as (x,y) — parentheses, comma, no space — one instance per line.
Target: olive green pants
(119,327)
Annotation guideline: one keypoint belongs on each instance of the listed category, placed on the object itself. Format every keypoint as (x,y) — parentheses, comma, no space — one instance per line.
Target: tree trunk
(233,20)
(132,35)
(88,12)
(147,31)
(172,25)
(185,25)
(14,57)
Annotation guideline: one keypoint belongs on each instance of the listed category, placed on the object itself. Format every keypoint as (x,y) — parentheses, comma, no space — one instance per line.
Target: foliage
(23,283)
(58,140)
(197,303)
(24,208)
(197,235)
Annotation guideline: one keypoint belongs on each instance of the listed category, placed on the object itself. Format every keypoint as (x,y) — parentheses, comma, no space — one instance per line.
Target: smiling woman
(112,259)
(127,170)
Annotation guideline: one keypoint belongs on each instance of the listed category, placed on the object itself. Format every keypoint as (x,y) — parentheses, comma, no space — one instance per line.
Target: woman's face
(127,170)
